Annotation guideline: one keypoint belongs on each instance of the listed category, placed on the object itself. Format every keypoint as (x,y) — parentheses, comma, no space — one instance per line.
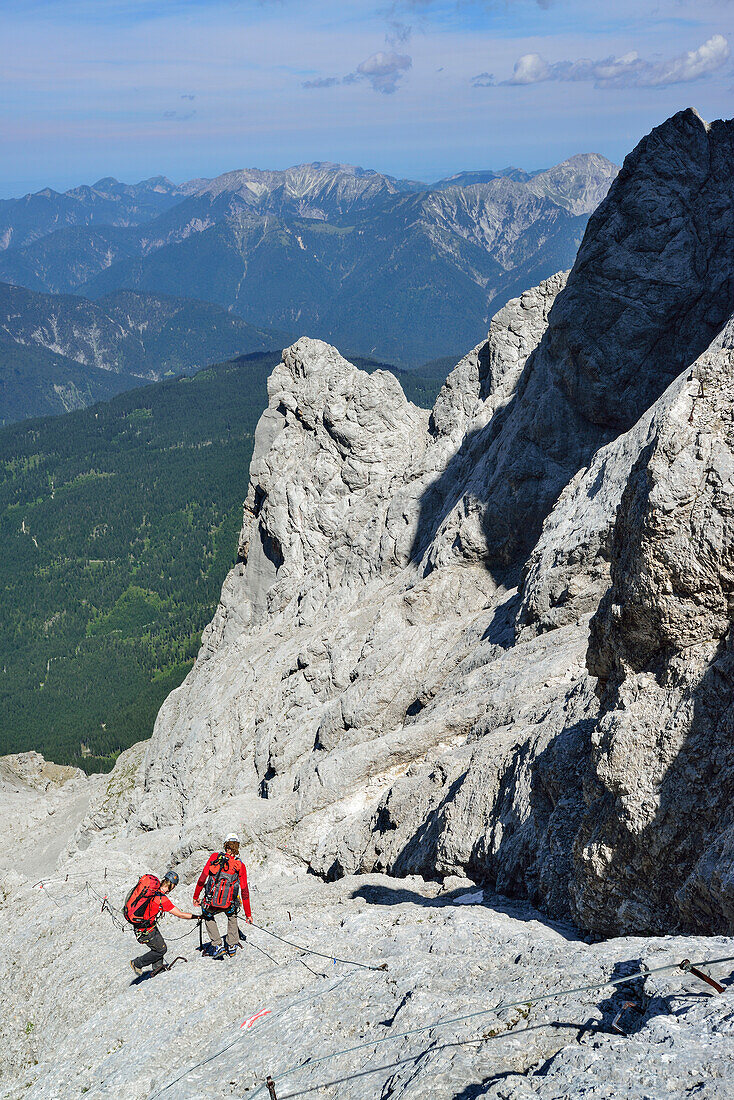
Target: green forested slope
(118,524)
(37,382)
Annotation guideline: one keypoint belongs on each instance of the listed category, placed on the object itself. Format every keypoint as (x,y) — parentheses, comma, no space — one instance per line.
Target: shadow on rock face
(672,868)
(657,847)
(390,895)
(524,847)
(500,629)
(629,1003)
(637,310)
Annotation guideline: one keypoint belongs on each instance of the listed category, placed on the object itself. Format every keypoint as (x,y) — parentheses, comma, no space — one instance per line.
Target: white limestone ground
(41,806)
(74,1025)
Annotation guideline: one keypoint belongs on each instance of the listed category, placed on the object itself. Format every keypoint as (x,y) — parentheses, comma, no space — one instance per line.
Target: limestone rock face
(29,770)
(41,805)
(634,315)
(632,298)
(400,678)
(657,848)
(568,570)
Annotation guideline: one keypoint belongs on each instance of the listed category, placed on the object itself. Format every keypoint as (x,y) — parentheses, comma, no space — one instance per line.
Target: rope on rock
(685,965)
(244,939)
(122,926)
(269,1084)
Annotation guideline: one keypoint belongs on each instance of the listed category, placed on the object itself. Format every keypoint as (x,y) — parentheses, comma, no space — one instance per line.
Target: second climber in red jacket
(224,882)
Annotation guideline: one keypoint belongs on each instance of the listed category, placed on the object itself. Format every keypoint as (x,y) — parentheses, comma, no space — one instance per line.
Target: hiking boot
(232,950)
(218,951)
(138,969)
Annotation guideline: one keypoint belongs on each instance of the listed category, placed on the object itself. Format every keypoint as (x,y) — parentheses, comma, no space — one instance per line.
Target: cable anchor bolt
(689,968)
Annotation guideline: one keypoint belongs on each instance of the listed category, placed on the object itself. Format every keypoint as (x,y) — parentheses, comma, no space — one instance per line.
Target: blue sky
(417,88)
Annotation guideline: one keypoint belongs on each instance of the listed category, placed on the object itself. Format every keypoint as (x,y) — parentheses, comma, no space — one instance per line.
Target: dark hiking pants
(153,940)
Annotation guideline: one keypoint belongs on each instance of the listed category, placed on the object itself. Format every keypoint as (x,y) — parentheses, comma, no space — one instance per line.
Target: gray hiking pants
(233,932)
(153,940)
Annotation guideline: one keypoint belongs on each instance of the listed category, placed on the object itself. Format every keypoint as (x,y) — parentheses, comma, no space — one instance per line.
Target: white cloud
(695,63)
(532,69)
(321,82)
(383,70)
(628,71)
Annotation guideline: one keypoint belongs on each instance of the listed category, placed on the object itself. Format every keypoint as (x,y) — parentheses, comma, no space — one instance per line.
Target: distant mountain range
(61,352)
(106,202)
(394,268)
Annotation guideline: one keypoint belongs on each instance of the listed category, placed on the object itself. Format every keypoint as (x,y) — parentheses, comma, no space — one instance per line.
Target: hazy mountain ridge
(320,190)
(106,202)
(393,268)
(35,381)
(142,334)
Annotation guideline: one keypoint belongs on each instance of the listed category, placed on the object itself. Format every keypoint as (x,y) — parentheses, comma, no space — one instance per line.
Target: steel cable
(530,1001)
(224,1049)
(503,1006)
(311,951)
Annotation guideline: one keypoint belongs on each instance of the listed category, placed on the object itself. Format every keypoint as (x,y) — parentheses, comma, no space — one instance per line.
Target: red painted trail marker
(251,1019)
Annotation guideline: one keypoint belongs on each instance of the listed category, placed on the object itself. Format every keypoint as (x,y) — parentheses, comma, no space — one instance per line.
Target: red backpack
(222,883)
(139,898)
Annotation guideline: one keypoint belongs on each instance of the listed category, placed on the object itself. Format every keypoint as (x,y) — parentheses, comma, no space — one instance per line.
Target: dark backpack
(222,883)
(138,900)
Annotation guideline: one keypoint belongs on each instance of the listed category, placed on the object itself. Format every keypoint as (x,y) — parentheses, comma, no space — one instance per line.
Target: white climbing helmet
(231,838)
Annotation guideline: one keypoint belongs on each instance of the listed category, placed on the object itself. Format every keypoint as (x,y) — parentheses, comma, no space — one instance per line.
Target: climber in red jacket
(224,881)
